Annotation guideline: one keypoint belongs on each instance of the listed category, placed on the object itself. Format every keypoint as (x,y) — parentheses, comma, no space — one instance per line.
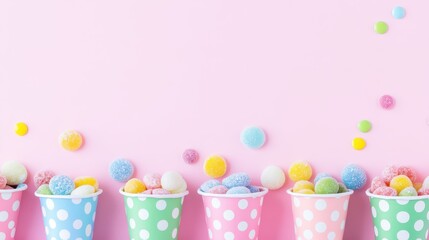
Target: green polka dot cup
(10,200)
(69,217)
(153,216)
(402,218)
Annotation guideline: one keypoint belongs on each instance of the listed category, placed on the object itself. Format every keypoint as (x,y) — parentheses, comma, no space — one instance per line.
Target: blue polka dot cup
(10,200)
(397,217)
(69,217)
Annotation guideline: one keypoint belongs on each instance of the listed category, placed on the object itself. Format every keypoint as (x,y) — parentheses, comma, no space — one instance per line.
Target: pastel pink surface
(318,216)
(10,202)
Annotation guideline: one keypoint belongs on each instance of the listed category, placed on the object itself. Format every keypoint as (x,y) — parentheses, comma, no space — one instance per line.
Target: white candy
(83,190)
(172,181)
(183,187)
(273,177)
(14,172)
(426,183)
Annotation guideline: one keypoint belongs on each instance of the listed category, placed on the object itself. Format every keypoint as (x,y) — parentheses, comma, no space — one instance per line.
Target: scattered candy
(134,185)
(190,156)
(80,181)
(238,183)
(273,177)
(253,137)
(353,176)
(215,166)
(21,129)
(398,12)
(364,126)
(121,170)
(219,189)
(303,184)
(83,190)
(152,180)
(359,143)
(14,172)
(326,185)
(71,140)
(381,27)
(376,183)
(387,102)
(61,185)
(173,181)
(44,189)
(385,191)
(236,180)
(207,185)
(300,171)
(408,192)
(238,190)
(43,177)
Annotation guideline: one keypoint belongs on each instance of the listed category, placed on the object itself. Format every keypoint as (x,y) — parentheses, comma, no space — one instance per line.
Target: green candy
(327,185)
(44,190)
(364,126)
(381,27)
(342,188)
(408,191)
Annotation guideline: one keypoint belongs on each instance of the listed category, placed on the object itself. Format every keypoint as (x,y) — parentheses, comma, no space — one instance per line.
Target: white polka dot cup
(153,216)
(10,200)
(233,216)
(69,217)
(402,218)
(320,216)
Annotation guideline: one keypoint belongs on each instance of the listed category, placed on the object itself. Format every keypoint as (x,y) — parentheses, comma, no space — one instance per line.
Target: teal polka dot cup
(69,217)
(153,216)
(402,218)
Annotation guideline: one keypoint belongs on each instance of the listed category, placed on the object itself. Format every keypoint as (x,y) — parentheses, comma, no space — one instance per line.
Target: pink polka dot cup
(233,216)
(10,200)
(319,216)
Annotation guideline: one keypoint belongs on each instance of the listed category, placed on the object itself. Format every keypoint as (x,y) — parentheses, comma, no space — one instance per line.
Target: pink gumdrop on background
(152,180)
(219,189)
(377,182)
(387,102)
(385,191)
(409,172)
(190,156)
(389,172)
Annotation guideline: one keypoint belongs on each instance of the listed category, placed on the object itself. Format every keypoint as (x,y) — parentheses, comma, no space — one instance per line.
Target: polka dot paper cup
(153,216)
(320,216)
(69,217)
(233,216)
(10,200)
(402,218)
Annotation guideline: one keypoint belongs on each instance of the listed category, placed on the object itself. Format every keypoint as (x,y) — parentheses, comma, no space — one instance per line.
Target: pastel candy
(273,177)
(14,171)
(61,185)
(238,190)
(83,190)
(121,170)
(182,187)
(409,172)
(300,171)
(253,189)
(44,189)
(205,187)
(385,191)
(389,172)
(134,185)
(426,183)
(353,176)
(321,175)
(303,184)
(172,181)
(71,140)
(236,180)
(376,183)
(152,180)
(400,182)
(305,191)
(160,191)
(408,191)
(43,177)
(219,189)
(326,185)
(3,182)
(215,166)
(342,188)
(423,191)
(80,181)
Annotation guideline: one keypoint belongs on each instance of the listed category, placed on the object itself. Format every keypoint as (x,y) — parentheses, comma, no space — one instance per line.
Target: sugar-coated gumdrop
(400,182)
(273,177)
(342,188)
(182,187)
(190,156)
(83,190)
(238,190)
(43,177)
(44,189)
(209,184)
(14,171)
(409,172)
(326,185)
(417,185)
(376,183)
(236,180)
(423,191)
(300,171)
(134,185)
(253,137)
(3,182)
(219,189)
(389,172)
(303,184)
(121,170)
(160,191)
(408,191)
(215,166)
(306,191)
(71,140)
(172,181)
(353,176)
(321,175)
(86,180)
(152,180)
(385,191)
(253,189)
(61,185)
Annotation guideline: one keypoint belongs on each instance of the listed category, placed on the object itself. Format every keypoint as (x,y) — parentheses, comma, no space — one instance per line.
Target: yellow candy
(79,181)
(134,185)
(21,129)
(71,140)
(359,143)
(400,182)
(306,191)
(302,185)
(300,171)
(418,185)
(215,166)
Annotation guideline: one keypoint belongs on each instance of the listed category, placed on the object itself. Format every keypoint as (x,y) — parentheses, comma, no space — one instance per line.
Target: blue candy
(121,170)
(253,189)
(253,137)
(238,190)
(236,180)
(319,176)
(353,176)
(61,185)
(205,187)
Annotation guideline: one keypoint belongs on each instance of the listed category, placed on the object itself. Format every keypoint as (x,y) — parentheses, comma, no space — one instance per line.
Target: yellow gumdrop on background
(400,182)
(71,140)
(300,171)
(134,185)
(79,181)
(215,166)
(21,129)
(303,184)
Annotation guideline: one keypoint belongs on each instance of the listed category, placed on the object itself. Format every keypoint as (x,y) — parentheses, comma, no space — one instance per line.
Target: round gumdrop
(43,177)
(15,172)
(300,171)
(190,156)
(219,189)
(385,191)
(182,188)
(409,172)
(238,190)
(273,177)
(44,189)
(389,172)
(423,191)
(408,191)
(306,191)
(400,182)
(209,184)
(342,188)
(326,185)
(71,140)
(86,180)
(160,191)
(376,183)
(61,185)
(3,182)
(215,166)
(253,189)
(321,175)
(253,137)
(121,170)
(152,180)
(134,185)
(172,181)
(236,180)
(303,184)
(353,176)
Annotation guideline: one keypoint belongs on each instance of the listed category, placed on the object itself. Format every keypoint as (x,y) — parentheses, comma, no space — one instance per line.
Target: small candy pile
(399,181)
(155,184)
(238,183)
(12,175)
(48,183)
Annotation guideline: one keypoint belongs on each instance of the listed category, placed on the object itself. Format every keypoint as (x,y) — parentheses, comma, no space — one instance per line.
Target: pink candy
(377,182)
(190,156)
(219,189)
(149,191)
(152,181)
(422,192)
(385,191)
(43,177)
(387,102)
(409,172)
(389,172)
(160,191)
(3,182)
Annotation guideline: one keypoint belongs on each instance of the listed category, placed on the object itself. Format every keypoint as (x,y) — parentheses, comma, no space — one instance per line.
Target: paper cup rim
(335,195)
(246,195)
(142,195)
(69,196)
(14,189)
(369,194)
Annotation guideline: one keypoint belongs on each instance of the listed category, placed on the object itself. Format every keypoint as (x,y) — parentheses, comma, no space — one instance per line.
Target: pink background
(145,80)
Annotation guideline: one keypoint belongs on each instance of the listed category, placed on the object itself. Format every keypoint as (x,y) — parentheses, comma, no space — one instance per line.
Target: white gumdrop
(273,177)
(183,187)
(172,181)
(14,172)
(83,190)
